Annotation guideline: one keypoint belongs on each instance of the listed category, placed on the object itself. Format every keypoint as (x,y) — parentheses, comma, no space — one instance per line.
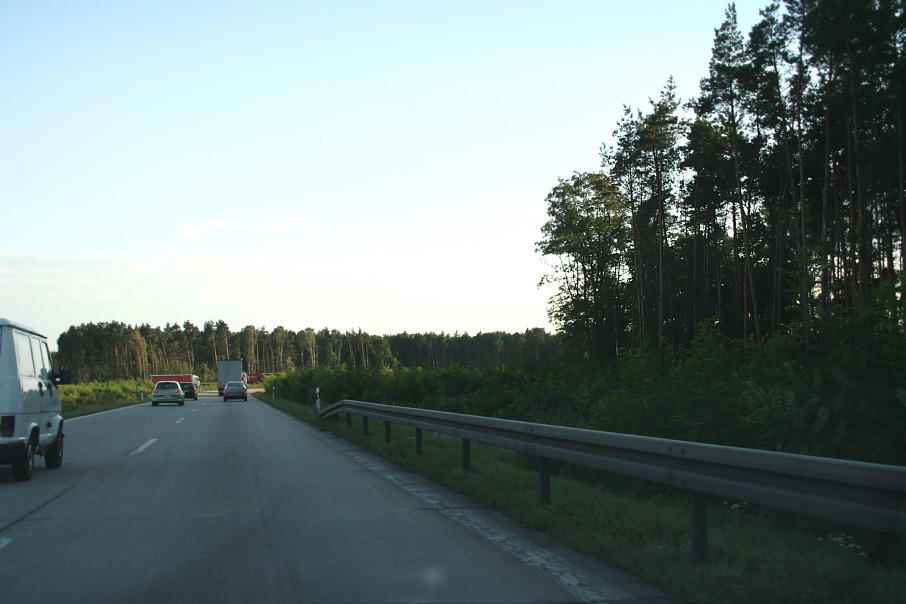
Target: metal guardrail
(867,495)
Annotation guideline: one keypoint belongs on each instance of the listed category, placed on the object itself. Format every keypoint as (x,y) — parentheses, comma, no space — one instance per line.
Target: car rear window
(167,386)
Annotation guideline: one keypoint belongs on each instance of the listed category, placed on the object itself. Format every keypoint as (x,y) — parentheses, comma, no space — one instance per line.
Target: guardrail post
(365,425)
(544,476)
(699,528)
(386,432)
(418,441)
(466,455)
(348,420)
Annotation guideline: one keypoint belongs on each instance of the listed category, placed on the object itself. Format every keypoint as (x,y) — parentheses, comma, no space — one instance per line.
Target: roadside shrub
(834,398)
(94,393)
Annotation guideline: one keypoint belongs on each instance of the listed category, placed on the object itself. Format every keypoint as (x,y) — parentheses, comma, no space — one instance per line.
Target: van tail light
(7,425)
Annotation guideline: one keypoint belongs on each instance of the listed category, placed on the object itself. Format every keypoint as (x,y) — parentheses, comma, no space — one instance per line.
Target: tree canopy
(113,350)
(771,201)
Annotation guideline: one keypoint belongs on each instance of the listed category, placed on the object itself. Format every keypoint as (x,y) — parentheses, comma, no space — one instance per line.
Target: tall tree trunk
(747,249)
(660,261)
(804,293)
(900,73)
(739,280)
(864,222)
(825,210)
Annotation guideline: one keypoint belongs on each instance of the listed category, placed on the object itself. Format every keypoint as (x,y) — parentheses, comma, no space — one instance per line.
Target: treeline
(774,199)
(720,391)
(114,350)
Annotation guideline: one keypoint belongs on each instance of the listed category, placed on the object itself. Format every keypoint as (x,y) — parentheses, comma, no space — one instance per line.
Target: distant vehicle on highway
(176,377)
(189,389)
(229,370)
(168,392)
(30,404)
(235,390)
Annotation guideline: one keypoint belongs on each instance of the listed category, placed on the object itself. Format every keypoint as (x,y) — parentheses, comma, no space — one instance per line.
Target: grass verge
(71,412)
(756,555)
(94,397)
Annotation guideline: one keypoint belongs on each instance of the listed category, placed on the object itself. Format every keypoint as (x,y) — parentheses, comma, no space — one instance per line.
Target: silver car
(167,392)
(235,390)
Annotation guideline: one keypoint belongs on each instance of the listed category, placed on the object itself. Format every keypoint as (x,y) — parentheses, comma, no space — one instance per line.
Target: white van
(30,406)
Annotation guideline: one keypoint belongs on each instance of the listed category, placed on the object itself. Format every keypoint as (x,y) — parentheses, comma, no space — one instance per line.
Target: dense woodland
(733,273)
(113,351)
(775,197)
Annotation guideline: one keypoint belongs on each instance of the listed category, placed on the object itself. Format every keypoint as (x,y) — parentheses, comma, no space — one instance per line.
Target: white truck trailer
(229,370)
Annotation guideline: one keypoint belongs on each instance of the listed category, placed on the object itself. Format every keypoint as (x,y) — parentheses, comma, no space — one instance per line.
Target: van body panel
(30,401)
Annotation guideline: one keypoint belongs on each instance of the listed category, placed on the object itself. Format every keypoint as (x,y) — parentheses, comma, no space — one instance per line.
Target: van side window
(24,355)
(42,360)
(48,360)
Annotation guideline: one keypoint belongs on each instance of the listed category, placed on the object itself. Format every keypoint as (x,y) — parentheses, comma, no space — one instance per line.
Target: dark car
(190,390)
(235,390)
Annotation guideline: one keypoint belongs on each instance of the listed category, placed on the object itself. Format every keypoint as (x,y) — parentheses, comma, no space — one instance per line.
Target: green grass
(756,555)
(69,413)
(94,397)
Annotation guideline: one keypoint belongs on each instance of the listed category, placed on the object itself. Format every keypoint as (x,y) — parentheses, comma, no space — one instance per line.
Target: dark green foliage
(109,351)
(781,199)
(851,404)
(756,252)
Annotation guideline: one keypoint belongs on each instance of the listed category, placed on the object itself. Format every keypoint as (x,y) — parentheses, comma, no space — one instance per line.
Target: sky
(374,165)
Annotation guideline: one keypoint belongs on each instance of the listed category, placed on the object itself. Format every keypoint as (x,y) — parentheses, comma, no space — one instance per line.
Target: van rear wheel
(25,465)
(53,457)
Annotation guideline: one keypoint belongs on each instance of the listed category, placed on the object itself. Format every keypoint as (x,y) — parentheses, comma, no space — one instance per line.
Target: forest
(114,351)
(734,272)
(772,200)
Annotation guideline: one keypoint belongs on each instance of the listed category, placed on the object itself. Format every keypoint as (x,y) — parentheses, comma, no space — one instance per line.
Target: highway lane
(236,502)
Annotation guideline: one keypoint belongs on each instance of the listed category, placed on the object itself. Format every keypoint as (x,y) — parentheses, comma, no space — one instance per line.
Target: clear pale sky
(374,165)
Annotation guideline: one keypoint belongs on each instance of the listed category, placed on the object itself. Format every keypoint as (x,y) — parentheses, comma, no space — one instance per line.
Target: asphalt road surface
(237,502)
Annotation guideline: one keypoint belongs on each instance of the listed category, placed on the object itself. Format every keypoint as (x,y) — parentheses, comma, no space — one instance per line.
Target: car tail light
(8,425)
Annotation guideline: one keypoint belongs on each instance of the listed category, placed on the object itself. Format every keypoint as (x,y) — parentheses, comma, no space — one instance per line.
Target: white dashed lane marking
(144,446)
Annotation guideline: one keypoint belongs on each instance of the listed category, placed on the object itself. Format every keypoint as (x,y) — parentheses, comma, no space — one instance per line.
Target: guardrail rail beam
(867,495)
